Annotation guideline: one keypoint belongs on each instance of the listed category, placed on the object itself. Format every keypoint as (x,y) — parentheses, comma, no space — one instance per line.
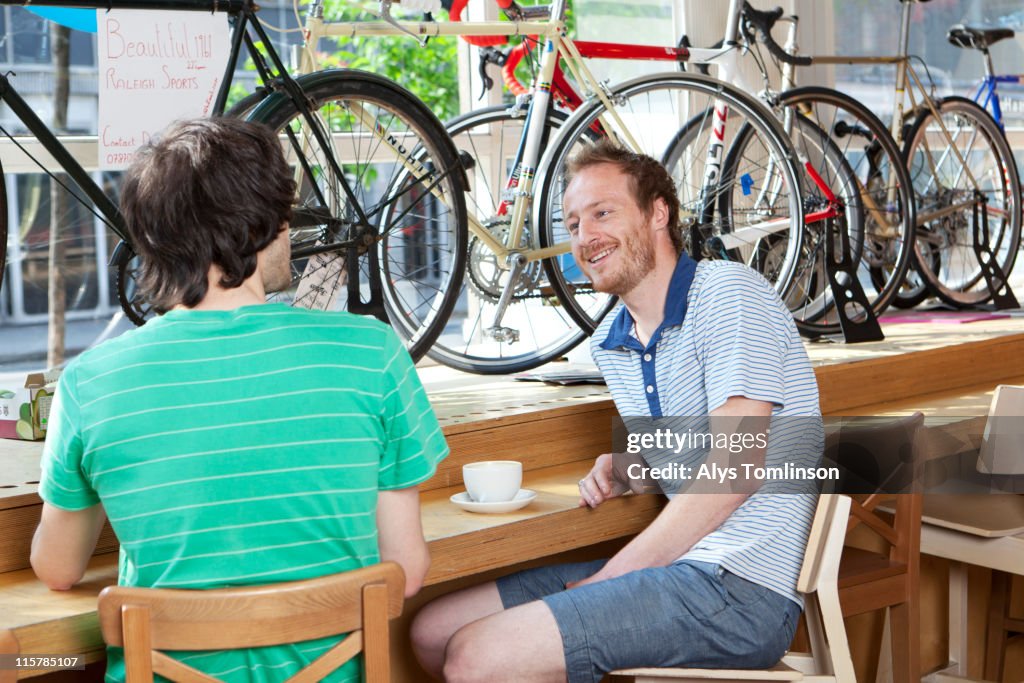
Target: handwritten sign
(155,67)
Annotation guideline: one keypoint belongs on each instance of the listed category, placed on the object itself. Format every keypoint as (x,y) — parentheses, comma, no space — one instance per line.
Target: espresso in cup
(493,481)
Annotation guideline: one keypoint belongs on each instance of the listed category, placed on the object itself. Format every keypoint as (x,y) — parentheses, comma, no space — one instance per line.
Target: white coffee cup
(493,481)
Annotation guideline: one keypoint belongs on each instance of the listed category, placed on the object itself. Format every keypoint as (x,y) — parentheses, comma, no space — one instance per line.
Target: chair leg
(835,631)
(995,639)
(883,673)
(905,622)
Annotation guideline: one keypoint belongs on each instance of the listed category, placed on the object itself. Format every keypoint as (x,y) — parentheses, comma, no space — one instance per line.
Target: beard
(636,255)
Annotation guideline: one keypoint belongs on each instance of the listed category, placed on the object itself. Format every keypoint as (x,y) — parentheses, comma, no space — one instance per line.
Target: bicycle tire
(882,237)
(378,131)
(958,281)
(915,290)
(487,141)
(245,106)
(135,306)
(658,105)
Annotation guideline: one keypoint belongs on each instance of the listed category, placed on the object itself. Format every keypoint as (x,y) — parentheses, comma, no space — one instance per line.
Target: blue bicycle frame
(987,94)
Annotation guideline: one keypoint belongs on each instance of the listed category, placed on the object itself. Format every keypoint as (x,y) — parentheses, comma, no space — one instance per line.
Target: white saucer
(521,500)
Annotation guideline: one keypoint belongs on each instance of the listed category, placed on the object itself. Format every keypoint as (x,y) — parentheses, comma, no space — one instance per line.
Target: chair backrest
(146,620)
(884,453)
(825,542)
(1003,441)
(830,658)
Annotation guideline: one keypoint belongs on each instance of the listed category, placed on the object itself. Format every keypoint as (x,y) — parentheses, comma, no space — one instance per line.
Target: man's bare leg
(438,621)
(518,644)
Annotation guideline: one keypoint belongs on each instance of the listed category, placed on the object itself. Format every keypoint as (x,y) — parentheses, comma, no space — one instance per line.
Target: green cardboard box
(25,410)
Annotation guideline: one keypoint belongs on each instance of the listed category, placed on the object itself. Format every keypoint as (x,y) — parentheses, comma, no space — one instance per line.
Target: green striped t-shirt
(241,447)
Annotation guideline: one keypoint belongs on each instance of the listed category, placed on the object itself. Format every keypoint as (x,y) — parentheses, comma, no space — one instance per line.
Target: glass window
(35,234)
(30,36)
(643,22)
(83,48)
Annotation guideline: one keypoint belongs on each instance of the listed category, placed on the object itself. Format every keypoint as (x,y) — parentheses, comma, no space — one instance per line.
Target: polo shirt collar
(675,309)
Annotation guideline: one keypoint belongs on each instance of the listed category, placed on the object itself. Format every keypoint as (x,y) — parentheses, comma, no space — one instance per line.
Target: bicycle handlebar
(763,22)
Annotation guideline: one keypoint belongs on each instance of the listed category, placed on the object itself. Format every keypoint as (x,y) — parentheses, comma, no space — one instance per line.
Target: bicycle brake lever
(489,55)
(385,15)
(488,82)
(514,12)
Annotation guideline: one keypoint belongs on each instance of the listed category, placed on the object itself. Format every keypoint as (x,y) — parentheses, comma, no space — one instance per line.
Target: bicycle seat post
(903,50)
(986,57)
(791,46)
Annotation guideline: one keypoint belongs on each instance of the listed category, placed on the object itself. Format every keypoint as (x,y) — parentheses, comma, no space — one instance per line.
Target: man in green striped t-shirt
(229,441)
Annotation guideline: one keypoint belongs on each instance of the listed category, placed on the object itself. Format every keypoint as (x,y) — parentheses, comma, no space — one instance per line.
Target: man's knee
(465,659)
(428,630)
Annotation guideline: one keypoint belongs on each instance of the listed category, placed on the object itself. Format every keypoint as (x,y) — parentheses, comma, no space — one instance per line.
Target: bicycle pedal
(505,335)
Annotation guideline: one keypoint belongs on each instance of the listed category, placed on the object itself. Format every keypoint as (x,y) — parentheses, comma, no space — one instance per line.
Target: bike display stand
(998,284)
(375,306)
(848,293)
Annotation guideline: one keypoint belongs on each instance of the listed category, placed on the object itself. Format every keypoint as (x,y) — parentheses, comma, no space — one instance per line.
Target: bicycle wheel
(534,328)
(397,214)
(874,187)
(650,114)
(956,160)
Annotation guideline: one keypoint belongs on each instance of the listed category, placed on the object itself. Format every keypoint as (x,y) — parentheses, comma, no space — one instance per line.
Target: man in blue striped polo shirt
(712,581)
(233,442)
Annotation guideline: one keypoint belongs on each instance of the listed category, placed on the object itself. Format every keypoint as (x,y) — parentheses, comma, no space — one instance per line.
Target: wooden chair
(146,620)
(829,658)
(8,646)
(889,578)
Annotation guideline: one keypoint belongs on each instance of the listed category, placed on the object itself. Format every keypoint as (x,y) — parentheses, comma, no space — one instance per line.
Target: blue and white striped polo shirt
(729,335)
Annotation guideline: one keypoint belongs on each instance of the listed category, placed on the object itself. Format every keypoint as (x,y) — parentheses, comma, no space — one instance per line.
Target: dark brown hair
(208,191)
(648,179)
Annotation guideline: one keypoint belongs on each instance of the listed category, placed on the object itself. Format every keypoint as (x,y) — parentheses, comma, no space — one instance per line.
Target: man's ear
(659,214)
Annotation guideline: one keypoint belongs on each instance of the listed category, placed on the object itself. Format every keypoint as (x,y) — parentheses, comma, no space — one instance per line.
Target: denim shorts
(688,614)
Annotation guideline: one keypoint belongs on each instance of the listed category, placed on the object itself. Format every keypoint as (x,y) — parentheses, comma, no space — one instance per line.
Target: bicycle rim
(408,213)
(975,161)
(669,117)
(534,328)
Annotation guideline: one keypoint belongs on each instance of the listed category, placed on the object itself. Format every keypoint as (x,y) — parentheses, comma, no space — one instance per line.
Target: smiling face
(613,241)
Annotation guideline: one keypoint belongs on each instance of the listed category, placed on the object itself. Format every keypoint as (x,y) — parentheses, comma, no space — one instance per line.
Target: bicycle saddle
(977,38)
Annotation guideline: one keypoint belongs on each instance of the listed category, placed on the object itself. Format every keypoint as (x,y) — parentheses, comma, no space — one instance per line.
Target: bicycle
(965,181)
(338,213)
(980,39)
(522,287)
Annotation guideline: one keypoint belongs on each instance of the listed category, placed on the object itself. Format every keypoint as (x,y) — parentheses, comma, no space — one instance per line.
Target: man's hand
(609,478)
